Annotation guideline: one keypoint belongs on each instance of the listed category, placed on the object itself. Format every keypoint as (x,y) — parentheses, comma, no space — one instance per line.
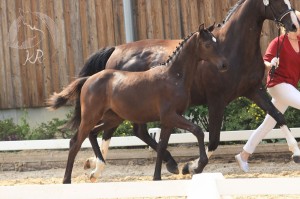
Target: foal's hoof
(86,165)
(172,167)
(296,158)
(89,163)
(93,178)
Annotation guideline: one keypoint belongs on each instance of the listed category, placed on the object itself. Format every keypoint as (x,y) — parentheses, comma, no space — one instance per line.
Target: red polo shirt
(289,63)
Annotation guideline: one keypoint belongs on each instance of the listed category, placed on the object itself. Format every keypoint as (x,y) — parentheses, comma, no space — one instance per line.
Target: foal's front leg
(182,123)
(161,149)
(140,130)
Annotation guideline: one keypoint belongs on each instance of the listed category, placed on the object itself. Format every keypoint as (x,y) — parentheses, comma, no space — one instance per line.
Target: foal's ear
(201,27)
(212,27)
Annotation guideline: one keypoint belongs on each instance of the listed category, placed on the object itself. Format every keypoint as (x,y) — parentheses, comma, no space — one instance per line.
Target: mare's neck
(184,64)
(247,23)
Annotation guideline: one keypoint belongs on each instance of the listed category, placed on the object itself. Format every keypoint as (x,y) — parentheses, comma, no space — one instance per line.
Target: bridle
(277,20)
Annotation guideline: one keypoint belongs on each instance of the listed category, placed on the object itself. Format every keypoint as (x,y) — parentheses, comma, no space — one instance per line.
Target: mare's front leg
(140,130)
(261,98)
(216,114)
(161,149)
(100,158)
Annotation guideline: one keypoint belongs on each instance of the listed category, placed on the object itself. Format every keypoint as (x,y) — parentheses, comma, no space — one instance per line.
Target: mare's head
(282,13)
(209,48)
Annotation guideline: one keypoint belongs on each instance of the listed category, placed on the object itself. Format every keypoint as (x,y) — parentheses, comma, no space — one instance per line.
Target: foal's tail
(95,63)
(72,90)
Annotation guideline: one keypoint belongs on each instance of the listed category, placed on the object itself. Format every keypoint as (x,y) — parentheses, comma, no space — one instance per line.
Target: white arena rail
(205,185)
(134,141)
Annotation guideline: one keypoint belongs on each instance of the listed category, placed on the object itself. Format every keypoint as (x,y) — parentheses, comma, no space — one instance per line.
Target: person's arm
(274,62)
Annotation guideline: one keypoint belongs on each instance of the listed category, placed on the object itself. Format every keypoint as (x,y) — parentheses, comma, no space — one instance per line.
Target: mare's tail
(95,63)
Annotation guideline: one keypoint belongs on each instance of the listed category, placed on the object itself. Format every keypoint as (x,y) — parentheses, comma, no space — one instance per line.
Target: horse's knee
(212,146)
(197,131)
(72,141)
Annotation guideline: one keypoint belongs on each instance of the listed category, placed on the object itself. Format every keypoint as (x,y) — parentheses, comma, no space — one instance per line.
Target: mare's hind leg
(113,121)
(263,101)
(90,163)
(140,130)
(292,143)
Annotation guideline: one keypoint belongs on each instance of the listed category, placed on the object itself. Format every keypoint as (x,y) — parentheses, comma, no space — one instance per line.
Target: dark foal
(239,38)
(159,94)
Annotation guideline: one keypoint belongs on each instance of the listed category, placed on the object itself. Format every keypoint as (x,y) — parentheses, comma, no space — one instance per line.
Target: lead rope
(279,48)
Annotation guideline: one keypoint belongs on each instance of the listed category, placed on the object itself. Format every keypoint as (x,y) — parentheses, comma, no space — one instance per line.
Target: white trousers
(283,96)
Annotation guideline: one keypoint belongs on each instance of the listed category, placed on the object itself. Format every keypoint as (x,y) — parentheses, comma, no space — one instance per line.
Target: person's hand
(275,62)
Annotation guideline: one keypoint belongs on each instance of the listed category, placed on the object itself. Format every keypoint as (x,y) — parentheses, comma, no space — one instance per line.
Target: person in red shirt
(282,86)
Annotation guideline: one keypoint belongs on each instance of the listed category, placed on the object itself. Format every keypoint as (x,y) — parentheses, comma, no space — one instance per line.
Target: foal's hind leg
(75,145)
(140,130)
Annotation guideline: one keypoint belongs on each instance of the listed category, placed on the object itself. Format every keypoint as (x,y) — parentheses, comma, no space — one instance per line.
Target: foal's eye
(207,45)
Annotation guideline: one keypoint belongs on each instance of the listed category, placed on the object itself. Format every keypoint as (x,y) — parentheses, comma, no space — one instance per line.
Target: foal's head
(209,48)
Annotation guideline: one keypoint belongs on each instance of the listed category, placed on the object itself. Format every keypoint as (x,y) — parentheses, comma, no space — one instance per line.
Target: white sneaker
(243,164)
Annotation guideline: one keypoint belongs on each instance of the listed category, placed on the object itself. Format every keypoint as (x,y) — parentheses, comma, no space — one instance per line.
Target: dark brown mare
(239,37)
(159,94)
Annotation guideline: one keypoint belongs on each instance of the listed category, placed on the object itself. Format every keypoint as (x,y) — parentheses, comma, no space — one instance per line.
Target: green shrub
(49,130)
(125,129)
(10,131)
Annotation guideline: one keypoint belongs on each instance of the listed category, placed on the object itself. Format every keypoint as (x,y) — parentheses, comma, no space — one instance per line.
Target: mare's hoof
(156,179)
(186,169)
(172,167)
(296,158)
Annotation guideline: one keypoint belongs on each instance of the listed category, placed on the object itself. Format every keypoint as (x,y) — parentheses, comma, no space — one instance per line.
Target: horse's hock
(31,160)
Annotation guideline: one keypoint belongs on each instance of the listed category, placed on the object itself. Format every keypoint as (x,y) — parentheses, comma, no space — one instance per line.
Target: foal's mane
(178,49)
(233,9)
